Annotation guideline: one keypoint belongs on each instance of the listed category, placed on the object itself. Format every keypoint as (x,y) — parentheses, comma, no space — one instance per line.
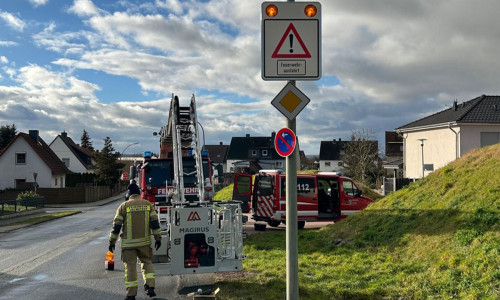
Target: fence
(70,195)
(13,206)
(394,184)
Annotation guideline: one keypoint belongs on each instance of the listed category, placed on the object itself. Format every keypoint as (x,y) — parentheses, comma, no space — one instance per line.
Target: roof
(217,153)
(81,153)
(240,147)
(43,150)
(483,109)
(331,150)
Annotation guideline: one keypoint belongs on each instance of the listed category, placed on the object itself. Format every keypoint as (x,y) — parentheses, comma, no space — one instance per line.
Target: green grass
(43,218)
(438,238)
(224,194)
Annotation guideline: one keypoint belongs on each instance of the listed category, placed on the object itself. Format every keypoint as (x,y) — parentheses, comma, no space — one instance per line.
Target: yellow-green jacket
(137,218)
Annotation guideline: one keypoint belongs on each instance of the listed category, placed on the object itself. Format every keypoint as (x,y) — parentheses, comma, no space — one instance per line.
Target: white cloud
(4,60)
(37,3)
(84,8)
(12,21)
(8,44)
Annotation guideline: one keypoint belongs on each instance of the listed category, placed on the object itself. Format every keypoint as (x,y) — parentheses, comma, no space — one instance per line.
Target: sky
(111,67)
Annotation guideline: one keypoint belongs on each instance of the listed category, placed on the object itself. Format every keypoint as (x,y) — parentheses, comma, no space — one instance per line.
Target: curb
(9,228)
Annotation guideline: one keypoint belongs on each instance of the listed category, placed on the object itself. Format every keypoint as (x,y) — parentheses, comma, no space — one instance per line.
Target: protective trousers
(129,258)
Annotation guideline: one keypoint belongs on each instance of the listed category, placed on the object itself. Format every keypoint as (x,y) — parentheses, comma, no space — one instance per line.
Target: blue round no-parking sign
(285,142)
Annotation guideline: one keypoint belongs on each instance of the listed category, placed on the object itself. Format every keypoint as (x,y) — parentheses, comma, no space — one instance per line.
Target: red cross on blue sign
(285,142)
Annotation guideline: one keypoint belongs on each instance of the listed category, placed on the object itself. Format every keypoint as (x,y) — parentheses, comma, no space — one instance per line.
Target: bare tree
(360,156)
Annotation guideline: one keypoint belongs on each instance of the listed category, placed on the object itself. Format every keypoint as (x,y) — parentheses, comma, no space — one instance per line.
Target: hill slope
(437,238)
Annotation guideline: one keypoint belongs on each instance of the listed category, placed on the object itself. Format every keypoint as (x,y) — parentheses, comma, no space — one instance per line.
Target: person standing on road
(136,219)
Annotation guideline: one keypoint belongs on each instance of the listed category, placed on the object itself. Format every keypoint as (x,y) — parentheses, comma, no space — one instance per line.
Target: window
(20,183)
(327,164)
(243,184)
(305,187)
(66,162)
(21,158)
(56,181)
(264,152)
(349,188)
(254,152)
(279,164)
(489,138)
(340,163)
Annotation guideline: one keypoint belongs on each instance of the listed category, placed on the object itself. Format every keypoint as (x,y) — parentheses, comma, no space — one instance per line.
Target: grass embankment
(438,238)
(47,217)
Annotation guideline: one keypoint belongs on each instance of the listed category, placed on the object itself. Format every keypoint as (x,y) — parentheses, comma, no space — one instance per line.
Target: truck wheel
(274,223)
(259,227)
(301,224)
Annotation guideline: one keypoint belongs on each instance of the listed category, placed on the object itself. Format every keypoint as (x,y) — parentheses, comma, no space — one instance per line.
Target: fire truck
(326,196)
(198,235)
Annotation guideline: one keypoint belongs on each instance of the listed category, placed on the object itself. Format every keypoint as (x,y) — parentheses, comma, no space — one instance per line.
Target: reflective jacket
(138,219)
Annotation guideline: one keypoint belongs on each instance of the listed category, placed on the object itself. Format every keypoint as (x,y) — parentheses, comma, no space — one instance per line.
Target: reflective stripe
(157,231)
(119,217)
(129,224)
(113,236)
(127,243)
(149,276)
(146,223)
(130,283)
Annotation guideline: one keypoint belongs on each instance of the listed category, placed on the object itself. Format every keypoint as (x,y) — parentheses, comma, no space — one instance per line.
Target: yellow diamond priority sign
(290,101)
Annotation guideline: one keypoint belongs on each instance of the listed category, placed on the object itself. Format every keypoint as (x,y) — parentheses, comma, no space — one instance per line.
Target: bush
(27,197)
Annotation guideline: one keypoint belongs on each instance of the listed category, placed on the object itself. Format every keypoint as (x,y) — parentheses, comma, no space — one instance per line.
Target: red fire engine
(321,197)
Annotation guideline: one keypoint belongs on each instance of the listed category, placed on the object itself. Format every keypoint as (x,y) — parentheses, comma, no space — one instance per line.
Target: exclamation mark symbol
(291,42)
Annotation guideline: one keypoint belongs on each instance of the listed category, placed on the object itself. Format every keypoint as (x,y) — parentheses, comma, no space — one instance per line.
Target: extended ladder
(183,128)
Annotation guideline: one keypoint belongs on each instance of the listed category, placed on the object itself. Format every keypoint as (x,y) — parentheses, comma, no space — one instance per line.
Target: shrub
(27,197)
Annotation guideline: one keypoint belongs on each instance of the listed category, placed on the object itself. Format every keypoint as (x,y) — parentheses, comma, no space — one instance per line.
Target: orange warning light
(310,10)
(272,10)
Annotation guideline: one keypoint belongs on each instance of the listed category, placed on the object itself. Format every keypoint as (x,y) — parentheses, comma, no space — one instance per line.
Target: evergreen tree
(107,166)
(85,141)
(7,134)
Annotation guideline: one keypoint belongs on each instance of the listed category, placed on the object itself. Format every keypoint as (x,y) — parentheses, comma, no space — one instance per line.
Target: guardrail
(15,206)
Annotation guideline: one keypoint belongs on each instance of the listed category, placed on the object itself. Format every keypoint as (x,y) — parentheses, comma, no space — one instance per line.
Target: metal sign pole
(292,247)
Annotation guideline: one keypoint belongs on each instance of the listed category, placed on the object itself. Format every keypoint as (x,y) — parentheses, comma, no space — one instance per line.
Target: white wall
(10,171)
(334,166)
(471,136)
(62,151)
(439,149)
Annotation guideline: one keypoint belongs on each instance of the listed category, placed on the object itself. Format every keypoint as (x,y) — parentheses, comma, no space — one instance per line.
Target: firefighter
(136,219)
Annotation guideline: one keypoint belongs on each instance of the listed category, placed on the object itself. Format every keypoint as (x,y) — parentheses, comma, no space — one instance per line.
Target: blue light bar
(147,154)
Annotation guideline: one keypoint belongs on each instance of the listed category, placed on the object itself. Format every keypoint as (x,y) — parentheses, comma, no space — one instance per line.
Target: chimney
(221,143)
(455,105)
(64,134)
(340,140)
(248,135)
(273,135)
(334,140)
(34,135)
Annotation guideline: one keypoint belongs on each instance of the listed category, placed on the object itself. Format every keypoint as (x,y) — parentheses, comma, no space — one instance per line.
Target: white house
(432,142)
(330,155)
(27,156)
(255,153)
(75,158)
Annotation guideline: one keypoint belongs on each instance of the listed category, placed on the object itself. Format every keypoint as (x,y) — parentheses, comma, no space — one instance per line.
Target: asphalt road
(64,259)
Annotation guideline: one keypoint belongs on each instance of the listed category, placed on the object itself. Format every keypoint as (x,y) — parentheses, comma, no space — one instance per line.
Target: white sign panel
(291,41)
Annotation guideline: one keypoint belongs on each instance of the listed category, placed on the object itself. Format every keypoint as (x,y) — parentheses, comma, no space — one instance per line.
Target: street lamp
(422,144)
(127,148)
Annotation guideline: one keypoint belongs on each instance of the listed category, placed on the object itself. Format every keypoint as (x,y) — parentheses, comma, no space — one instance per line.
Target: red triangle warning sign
(289,50)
